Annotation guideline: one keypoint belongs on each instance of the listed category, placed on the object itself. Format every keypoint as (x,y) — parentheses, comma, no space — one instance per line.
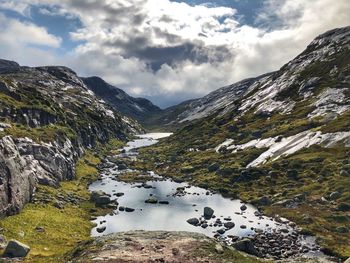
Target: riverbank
(297,187)
(158,246)
(57,224)
(57,219)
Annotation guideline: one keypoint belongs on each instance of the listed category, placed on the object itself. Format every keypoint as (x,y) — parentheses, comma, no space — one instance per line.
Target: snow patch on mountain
(332,102)
(278,146)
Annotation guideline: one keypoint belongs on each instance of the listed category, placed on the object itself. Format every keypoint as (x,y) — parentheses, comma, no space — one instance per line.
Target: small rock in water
(193,221)
(16,249)
(119,194)
(121,208)
(208,212)
(221,231)
(205,225)
(243,207)
(100,229)
(128,209)
(164,202)
(229,225)
(151,200)
(243,226)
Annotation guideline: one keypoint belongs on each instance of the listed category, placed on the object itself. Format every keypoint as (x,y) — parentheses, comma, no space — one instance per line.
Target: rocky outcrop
(138,108)
(49,117)
(157,246)
(24,163)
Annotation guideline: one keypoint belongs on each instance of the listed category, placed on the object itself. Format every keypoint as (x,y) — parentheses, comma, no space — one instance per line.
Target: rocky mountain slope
(280,141)
(48,117)
(302,78)
(138,108)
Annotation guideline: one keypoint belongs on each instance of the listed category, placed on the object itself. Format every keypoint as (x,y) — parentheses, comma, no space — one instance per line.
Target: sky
(163,50)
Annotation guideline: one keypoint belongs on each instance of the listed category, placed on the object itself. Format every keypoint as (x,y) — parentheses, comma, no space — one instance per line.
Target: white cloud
(173,50)
(24,42)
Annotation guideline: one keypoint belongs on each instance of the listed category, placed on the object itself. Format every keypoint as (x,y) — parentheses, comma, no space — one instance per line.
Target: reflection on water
(172,216)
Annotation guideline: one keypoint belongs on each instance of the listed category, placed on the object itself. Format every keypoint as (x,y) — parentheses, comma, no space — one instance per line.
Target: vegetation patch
(58,218)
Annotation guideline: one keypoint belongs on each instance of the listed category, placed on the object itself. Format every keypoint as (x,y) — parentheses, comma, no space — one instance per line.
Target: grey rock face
(24,163)
(57,102)
(16,249)
(246,245)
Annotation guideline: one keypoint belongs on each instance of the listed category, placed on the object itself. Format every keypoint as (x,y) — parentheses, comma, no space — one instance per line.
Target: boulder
(219,249)
(243,207)
(213,167)
(292,174)
(151,200)
(103,200)
(100,229)
(208,212)
(122,166)
(344,173)
(193,221)
(229,225)
(342,229)
(96,194)
(265,200)
(334,195)
(247,246)
(3,242)
(16,249)
(344,207)
(129,209)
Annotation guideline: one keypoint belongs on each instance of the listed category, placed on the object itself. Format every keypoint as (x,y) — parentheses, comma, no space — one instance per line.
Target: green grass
(41,134)
(64,228)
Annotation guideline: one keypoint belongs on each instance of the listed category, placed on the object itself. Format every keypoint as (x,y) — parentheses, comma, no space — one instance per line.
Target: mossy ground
(64,228)
(318,171)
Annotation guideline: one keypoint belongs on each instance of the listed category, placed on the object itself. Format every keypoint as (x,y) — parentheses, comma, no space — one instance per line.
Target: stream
(179,202)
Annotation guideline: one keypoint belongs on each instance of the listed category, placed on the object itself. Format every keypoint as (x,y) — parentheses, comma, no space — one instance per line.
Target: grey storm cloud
(166,50)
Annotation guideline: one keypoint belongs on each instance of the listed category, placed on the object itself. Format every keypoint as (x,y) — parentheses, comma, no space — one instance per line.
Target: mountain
(280,141)
(299,77)
(137,108)
(48,118)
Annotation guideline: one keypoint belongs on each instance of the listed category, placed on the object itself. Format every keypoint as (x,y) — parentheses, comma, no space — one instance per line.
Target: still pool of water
(172,216)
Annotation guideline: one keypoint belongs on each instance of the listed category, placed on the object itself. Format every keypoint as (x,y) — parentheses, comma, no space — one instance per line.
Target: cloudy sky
(167,51)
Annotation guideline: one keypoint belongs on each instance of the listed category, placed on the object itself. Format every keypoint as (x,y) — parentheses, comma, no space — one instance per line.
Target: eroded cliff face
(47,119)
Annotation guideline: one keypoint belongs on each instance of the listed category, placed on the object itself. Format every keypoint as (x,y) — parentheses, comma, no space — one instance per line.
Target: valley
(257,171)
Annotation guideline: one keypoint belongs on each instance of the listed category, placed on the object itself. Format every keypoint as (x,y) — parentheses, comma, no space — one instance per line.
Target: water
(172,216)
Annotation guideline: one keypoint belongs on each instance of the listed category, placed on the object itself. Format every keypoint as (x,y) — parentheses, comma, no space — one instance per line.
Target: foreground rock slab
(158,246)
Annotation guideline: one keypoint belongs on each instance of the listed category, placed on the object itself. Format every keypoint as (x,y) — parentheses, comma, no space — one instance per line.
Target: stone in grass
(219,249)
(344,207)
(16,249)
(344,173)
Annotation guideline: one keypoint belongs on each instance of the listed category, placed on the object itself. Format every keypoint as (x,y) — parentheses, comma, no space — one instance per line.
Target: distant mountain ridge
(137,108)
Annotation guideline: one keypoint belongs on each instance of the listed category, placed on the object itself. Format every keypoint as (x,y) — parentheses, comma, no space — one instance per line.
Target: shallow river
(172,216)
